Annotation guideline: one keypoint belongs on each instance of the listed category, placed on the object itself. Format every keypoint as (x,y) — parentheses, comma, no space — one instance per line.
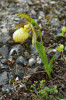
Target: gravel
(49,14)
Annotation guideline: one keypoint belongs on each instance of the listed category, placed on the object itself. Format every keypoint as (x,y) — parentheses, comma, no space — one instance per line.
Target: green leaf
(41,50)
(25,16)
(63,29)
(50,64)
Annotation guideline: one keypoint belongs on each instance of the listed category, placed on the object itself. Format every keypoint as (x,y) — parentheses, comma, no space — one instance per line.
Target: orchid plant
(22,34)
(60,48)
(63,33)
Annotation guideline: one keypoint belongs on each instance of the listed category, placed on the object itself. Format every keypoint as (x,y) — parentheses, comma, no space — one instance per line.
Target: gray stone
(33,49)
(33,12)
(31,61)
(3,61)
(41,13)
(4,51)
(7,88)
(55,22)
(18,70)
(39,60)
(17,49)
(3,78)
(4,38)
(12,9)
(52,2)
(3,66)
(21,60)
(51,50)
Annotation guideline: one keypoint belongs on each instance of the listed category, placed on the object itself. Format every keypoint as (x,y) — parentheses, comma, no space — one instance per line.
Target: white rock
(17,79)
(31,61)
(38,60)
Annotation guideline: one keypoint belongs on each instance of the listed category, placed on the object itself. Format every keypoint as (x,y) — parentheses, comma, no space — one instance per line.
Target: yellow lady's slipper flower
(21,34)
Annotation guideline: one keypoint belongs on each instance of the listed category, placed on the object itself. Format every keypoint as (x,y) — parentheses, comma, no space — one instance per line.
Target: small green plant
(63,32)
(22,34)
(41,92)
(60,48)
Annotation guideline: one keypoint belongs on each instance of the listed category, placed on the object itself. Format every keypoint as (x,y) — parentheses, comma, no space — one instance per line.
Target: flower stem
(40,36)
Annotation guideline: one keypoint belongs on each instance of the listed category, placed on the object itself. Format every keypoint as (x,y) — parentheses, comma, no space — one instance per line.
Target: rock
(4,38)
(52,2)
(33,49)
(51,51)
(55,22)
(18,70)
(4,30)
(39,17)
(17,19)
(7,89)
(33,12)
(4,51)
(39,60)
(26,54)
(21,60)
(17,78)
(31,61)
(41,13)
(17,49)
(3,66)
(12,9)
(3,61)
(32,70)
(3,78)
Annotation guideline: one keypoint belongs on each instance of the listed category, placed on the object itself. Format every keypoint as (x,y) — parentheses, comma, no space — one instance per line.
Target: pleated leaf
(41,50)
(50,64)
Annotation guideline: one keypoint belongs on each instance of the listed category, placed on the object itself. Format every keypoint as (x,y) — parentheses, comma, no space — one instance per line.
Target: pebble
(39,60)
(18,70)
(34,51)
(4,38)
(12,9)
(4,51)
(7,89)
(41,13)
(51,50)
(3,66)
(31,61)
(37,9)
(33,12)
(52,2)
(3,61)
(21,60)
(17,49)
(3,78)
(17,78)
(55,23)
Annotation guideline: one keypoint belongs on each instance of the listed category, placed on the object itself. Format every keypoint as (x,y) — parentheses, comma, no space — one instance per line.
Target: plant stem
(40,36)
